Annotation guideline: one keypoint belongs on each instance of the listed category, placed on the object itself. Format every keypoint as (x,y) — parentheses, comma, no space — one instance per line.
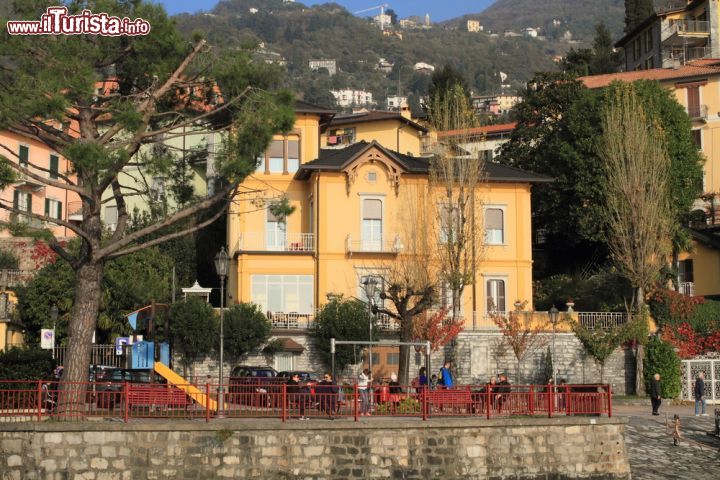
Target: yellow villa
(345,225)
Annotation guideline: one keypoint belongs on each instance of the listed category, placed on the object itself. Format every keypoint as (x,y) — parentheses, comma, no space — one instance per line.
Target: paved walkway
(652,453)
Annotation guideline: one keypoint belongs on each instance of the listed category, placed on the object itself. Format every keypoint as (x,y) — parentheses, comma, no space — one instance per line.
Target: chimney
(405,112)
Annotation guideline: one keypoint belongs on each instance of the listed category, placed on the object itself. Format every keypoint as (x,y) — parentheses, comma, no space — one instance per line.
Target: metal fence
(100,354)
(40,400)
(710,366)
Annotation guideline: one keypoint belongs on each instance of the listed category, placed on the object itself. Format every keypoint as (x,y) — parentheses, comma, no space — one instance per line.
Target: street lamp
(53,316)
(222,262)
(554,313)
(370,284)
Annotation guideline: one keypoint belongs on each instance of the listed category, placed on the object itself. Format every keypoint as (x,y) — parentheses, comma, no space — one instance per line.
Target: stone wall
(448,449)
(477,356)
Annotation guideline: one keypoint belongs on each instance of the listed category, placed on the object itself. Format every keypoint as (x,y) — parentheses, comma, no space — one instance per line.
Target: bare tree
(457,171)
(409,282)
(520,335)
(638,211)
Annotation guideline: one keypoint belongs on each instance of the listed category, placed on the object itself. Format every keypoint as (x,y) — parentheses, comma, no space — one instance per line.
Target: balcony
(27,220)
(26,181)
(289,242)
(685,32)
(304,321)
(355,245)
(697,112)
(674,57)
(687,288)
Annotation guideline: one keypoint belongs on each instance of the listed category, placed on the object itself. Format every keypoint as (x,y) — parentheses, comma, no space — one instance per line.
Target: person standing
(655,394)
(364,385)
(297,394)
(700,394)
(446,378)
(326,392)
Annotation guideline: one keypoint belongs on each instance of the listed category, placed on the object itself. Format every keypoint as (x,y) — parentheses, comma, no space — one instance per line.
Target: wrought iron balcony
(288,242)
(684,31)
(687,288)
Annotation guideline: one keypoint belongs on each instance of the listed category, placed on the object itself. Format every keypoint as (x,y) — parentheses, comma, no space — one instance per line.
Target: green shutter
(59,210)
(47,207)
(16,199)
(29,209)
(24,155)
(54,166)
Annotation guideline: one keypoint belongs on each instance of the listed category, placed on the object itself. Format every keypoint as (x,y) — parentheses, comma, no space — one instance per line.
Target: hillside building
(396,102)
(349,97)
(329,64)
(678,32)
(474,26)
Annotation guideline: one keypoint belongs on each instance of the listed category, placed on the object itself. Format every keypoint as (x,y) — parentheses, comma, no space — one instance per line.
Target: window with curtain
(495,296)
(276,156)
(282,293)
(494,229)
(22,201)
(372,225)
(275,232)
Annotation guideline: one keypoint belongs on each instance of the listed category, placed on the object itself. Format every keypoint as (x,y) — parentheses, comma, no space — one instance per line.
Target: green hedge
(26,363)
(661,358)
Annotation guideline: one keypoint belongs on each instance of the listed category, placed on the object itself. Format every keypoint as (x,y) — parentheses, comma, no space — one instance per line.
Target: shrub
(661,358)
(246,329)
(668,307)
(706,317)
(193,329)
(23,363)
(8,260)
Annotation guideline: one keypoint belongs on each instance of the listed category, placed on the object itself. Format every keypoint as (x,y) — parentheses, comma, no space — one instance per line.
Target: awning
(290,345)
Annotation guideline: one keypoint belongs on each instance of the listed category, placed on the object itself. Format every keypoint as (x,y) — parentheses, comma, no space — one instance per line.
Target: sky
(438,10)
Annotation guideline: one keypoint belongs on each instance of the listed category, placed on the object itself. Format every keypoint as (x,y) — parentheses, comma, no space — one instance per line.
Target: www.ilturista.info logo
(57,22)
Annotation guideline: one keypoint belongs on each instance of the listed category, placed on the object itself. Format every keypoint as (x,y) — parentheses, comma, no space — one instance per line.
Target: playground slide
(175,379)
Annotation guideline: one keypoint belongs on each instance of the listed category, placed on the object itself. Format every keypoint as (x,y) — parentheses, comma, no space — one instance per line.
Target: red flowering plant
(437,328)
(687,342)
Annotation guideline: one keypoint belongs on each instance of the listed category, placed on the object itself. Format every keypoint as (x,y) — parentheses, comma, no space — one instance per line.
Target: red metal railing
(40,400)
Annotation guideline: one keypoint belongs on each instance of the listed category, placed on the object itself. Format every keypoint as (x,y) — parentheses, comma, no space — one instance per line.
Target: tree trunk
(406,335)
(640,349)
(80,331)
(456,294)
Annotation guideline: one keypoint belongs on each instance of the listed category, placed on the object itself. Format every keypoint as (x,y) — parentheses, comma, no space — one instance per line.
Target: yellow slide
(175,379)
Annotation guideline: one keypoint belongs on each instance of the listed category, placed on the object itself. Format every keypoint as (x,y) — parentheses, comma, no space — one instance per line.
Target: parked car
(109,384)
(255,385)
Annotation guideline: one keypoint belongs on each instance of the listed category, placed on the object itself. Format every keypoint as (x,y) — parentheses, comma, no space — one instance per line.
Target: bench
(450,398)
(157,395)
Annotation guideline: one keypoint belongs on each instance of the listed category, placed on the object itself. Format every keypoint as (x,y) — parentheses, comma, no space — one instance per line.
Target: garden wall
(449,449)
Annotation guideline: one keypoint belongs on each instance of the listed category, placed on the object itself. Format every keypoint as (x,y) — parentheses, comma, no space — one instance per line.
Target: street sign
(119,342)
(47,338)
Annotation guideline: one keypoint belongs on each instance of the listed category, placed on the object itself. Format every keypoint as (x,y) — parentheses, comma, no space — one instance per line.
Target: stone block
(11,446)
(14,461)
(98,464)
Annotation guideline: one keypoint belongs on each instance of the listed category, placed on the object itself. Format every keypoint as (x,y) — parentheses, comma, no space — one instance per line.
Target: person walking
(655,394)
(675,430)
(446,377)
(364,384)
(700,394)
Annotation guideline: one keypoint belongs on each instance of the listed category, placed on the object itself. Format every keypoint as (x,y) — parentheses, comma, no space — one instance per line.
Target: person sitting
(394,385)
(503,390)
(326,392)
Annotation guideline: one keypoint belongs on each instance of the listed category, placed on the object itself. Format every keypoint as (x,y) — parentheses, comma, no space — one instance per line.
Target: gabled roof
(336,160)
(325,114)
(697,68)
(374,116)
(707,239)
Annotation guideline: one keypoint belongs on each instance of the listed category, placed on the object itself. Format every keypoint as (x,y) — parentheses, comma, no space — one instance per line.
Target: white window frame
(275,239)
(55,206)
(502,208)
(305,306)
(23,206)
(370,245)
(493,278)
(288,357)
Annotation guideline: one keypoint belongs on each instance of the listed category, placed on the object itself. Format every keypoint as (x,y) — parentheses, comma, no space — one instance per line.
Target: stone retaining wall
(387,448)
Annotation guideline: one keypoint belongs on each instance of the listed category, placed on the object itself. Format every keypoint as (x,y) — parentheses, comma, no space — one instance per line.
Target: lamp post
(53,316)
(370,285)
(553,320)
(222,262)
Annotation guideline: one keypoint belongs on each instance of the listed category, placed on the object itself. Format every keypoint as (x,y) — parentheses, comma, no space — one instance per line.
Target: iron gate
(710,365)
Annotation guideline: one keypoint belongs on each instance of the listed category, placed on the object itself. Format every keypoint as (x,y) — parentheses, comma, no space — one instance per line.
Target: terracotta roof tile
(698,68)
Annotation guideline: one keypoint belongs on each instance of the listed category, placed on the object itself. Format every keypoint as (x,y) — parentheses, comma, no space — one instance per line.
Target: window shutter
(24,155)
(47,207)
(494,219)
(293,149)
(29,203)
(277,149)
(372,209)
(501,295)
(59,210)
(16,199)
(54,166)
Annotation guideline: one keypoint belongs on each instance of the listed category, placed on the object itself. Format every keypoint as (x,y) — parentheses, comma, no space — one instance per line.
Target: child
(433,382)
(676,429)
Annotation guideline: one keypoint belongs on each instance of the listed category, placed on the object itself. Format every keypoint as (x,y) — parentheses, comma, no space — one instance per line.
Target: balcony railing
(27,220)
(602,320)
(354,245)
(685,28)
(304,321)
(290,242)
(697,111)
(687,288)
(13,278)
(675,57)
